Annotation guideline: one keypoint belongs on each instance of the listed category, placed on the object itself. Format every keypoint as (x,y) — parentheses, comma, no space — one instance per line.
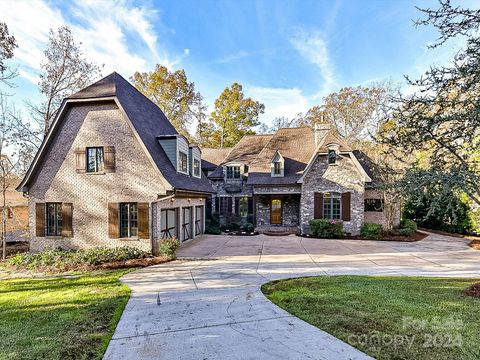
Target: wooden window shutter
(317,205)
(346,200)
(40,219)
(143,221)
(80,160)
(113,218)
(229,205)
(217,204)
(67,213)
(109,159)
(237,205)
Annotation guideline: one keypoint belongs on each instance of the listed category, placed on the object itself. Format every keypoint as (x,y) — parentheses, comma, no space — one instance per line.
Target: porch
(277,214)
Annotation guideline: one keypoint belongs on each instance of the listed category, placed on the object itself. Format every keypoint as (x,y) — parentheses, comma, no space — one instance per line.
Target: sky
(287,54)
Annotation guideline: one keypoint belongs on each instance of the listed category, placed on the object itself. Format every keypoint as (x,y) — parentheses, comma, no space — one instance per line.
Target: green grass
(425,318)
(60,318)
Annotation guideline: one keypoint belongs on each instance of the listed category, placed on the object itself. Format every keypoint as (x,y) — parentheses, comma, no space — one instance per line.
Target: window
(95,159)
(168,225)
(375,205)
(332,157)
(54,219)
(182,162)
(331,205)
(233,172)
(198,220)
(243,207)
(196,167)
(128,220)
(277,168)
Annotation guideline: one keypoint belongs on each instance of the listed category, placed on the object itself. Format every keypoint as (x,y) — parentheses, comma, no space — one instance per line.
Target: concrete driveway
(208,304)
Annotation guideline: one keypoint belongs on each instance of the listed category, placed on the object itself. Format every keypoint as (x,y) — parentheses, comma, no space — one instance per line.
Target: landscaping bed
(59,317)
(416,236)
(388,317)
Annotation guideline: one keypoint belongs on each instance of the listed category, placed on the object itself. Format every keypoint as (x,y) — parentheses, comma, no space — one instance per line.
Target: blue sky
(287,54)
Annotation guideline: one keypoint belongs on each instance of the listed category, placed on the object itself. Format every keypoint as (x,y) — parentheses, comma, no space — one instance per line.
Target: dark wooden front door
(276,212)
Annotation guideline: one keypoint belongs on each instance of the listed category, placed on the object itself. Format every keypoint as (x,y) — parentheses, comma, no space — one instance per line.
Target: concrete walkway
(208,304)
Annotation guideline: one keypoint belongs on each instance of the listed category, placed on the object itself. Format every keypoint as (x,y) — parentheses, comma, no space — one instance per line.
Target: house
(113,171)
(280,182)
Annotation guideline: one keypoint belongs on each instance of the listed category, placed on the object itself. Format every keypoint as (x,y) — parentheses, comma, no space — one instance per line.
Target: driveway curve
(208,303)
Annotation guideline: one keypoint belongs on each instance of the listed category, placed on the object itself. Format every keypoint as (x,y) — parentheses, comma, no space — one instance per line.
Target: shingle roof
(212,157)
(296,146)
(148,121)
(244,152)
(332,137)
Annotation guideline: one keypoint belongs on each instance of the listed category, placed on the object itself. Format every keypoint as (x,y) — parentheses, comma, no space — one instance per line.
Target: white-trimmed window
(182,162)
(233,172)
(196,167)
(332,205)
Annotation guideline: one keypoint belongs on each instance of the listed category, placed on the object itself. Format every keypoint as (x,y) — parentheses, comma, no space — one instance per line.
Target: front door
(276,212)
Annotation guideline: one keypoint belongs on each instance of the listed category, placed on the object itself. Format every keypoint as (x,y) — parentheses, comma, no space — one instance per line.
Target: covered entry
(275,211)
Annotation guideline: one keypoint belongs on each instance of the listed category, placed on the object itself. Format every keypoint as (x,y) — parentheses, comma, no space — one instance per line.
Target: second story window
(196,167)
(233,172)
(182,162)
(95,159)
(277,168)
(332,157)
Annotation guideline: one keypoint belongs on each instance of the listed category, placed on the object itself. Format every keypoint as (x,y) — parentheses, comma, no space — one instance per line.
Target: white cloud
(279,102)
(108,31)
(313,47)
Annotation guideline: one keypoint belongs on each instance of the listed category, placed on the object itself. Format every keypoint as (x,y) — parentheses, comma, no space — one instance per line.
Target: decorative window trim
(182,162)
(196,168)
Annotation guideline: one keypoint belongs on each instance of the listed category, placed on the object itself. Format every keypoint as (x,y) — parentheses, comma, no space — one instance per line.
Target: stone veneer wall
(376,216)
(290,210)
(134,180)
(174,203)
(341,177)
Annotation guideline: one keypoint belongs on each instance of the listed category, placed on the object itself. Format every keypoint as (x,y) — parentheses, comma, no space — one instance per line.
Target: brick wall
(378,217)
(135,178)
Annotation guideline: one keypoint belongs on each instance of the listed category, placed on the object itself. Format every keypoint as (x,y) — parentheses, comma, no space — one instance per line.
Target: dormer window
(233,172)
(196,167)
(182,162)
(332,157)
(277,168)
(278,165)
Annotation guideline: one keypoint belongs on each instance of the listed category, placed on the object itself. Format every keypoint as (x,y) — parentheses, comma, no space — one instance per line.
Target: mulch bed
(417,236)
(85,268)
(473,290)
(475,244)
(463,236)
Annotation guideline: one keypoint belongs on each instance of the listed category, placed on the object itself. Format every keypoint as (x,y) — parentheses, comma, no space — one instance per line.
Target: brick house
(280,182)
(113,171)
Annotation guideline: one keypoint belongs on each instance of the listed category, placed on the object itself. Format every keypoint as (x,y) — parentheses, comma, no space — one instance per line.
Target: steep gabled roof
(212,157)
(296,146)
(244,152)
(147,121)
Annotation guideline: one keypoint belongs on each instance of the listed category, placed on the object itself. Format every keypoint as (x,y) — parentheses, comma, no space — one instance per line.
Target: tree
(174,94)
(65,71)
(352,110)
(442,118)
(234,115)
(7,46)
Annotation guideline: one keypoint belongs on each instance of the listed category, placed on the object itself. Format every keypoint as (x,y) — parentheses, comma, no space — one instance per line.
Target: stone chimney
(321,130)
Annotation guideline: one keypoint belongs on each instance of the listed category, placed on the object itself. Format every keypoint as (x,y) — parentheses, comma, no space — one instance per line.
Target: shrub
(169,247)
(407,227)
(59,258)
(328,229)
(371,231)
(249,227)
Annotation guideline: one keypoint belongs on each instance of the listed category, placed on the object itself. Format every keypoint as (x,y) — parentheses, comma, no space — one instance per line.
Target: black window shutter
(237,205)
(217,204)
(229,205)
(250,205)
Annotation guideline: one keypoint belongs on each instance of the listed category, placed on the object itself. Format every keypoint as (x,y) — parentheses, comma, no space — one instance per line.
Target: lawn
(60,318)
(388,317)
